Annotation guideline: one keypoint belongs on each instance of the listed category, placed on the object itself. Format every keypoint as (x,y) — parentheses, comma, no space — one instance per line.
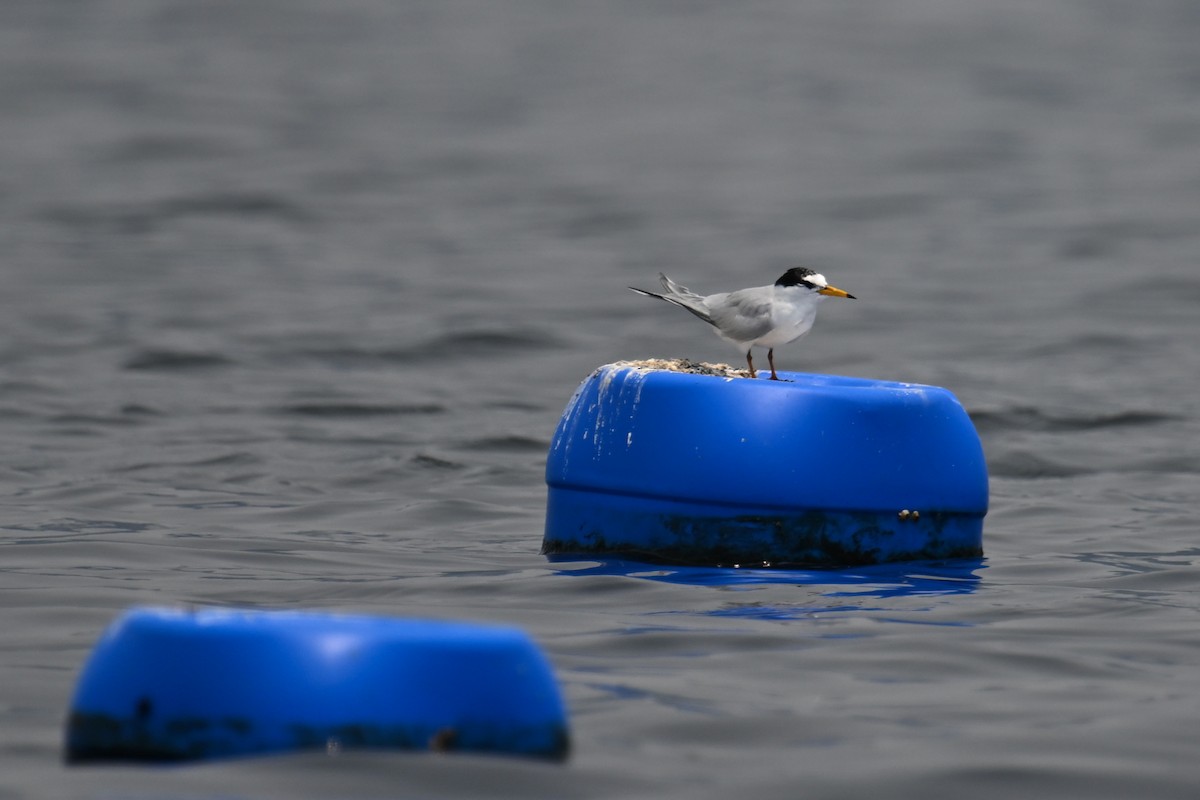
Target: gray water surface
(294,294)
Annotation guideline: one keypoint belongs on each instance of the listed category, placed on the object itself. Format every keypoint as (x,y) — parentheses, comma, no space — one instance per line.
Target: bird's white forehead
(818,279)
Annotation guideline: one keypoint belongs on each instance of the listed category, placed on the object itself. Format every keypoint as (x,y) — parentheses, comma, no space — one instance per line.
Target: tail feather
(680,296)
(646,292)
(677,290)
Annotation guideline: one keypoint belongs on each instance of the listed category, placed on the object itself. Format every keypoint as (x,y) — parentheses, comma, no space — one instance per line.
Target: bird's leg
(771,361)
(750,363)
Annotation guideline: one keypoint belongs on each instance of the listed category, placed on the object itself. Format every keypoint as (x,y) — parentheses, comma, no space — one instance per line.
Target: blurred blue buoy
(175,685)
(695,468)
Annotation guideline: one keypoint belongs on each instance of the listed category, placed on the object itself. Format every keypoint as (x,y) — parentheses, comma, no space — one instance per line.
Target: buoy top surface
(219,622)
(808,441)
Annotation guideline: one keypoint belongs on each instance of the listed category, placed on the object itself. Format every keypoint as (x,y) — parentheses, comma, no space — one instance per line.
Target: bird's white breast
(792,315)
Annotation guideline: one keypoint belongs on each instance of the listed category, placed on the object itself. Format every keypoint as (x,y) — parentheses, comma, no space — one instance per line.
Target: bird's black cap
(797,276)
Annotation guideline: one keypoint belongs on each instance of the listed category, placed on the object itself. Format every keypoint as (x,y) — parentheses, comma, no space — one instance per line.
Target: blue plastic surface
(171,685)
(815,470)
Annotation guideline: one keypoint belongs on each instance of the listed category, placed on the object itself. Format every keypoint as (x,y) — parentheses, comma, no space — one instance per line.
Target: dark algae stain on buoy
(812,540)
(702,467)
(108,737)
(103,737)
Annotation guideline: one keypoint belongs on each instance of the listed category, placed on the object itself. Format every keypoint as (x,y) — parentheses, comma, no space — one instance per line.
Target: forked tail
(680,296)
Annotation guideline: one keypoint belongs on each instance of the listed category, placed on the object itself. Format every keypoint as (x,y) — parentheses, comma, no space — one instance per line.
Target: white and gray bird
(763,316)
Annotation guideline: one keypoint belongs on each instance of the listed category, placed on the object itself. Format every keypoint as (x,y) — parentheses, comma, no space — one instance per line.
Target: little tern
(766,316)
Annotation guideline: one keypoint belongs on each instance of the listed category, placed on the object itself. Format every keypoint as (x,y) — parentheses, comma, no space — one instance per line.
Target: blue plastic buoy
(814,471)
(175,685)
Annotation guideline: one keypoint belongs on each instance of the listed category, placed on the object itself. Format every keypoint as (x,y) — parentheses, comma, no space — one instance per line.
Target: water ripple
(175,360)
(359,410)
(481,343)
(149,216)
(1029,418)
(1022,464)
(511,443)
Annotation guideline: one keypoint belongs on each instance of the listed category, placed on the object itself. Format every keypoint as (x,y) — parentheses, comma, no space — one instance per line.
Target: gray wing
(741,316)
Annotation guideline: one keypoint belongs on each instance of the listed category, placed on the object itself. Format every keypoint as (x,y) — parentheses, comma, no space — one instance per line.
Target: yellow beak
(833,291)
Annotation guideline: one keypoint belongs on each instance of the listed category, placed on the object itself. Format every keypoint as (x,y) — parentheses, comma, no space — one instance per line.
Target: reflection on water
(825,591)
(909,579)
